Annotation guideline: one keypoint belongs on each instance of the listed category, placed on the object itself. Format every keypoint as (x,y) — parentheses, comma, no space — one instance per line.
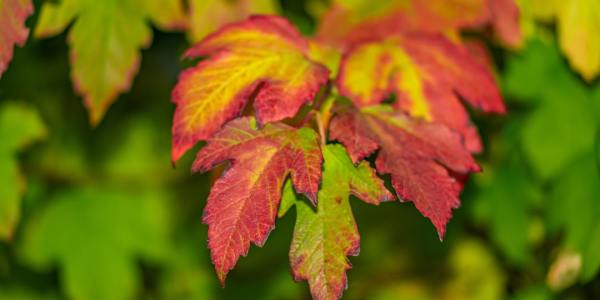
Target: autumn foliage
(374,106)
(273,103)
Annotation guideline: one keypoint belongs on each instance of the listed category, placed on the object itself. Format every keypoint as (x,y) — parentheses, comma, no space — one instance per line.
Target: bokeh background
(106,216)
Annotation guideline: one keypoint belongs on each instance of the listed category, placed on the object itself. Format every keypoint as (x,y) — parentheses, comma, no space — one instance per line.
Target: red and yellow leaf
(428,74)
(13,14)
(349,22)
(422,158)
(105,42)
(263,58)
(323,238)
(243,203)
(206,16)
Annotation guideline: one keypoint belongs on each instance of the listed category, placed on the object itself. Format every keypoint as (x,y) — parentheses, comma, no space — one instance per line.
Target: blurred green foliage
(106,216)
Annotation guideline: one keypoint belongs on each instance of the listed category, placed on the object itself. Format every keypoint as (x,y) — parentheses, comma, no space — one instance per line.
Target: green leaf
(591,252)
(25,294)
(323,238)
(19,127)
(574,207)
(508,194)
(596,100)
(288,198)
(137,152)
(95,237)
(562,125)
(186,274)
(105,42)
(475,273)
(11,191)
(533,71)
(535,292)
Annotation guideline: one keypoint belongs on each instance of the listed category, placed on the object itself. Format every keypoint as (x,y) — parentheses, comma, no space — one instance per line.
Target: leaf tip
(441,231)
(222,277)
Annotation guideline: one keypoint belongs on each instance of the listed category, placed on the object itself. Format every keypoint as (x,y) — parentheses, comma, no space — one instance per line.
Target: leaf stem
(319,120)
(323,116)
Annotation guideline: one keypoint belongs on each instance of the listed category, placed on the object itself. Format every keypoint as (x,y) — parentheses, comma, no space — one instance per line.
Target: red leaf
(418,155)
(243,203)
(348,23)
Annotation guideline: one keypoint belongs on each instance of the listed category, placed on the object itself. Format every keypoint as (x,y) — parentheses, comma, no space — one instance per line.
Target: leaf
(534,292)
(288,199)
(505,19)
(19,127)
(263,58)
(105,42)
(23,293)
(348,22)
(573,206)
(579,32)
(476,274)
(509,195)
(578,26)
(206,16)
(242,205)
(323,238)
(422,158)
(185,274)
(95,237)
(428,74)
(563,106)
(137,149)
(166,14)
(13,14)
(326,55)
(534,71)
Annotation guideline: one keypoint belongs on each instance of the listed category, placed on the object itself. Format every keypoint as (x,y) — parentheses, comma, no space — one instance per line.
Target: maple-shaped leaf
(13,14)
(19,127)
(428,74)
(95,237)
(323,238)
(263,58)
(558,102)
(349,22)
(242,205)
(207,16)
(105,42)
(421,157)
